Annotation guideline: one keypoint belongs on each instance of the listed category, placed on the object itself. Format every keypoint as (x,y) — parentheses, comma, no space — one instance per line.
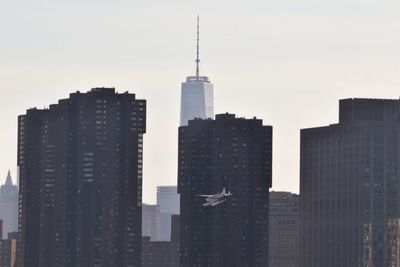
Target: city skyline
(280,61)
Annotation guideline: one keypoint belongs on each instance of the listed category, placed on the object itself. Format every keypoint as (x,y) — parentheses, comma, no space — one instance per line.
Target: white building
(197,94)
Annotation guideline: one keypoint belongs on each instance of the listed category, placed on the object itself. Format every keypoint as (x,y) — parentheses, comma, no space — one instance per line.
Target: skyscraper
(80,167)
(284,229)
(151,221)
(235,154)
(162,253)
(349,185)
(168,201)
(9,206)
(197,94)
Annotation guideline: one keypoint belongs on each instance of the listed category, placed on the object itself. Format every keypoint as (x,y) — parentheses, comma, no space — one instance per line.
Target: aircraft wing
(205,195)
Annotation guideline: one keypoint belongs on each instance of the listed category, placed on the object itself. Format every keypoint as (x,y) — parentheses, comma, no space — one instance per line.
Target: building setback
(80,165)
(232,153)
(349,185)
(284,229)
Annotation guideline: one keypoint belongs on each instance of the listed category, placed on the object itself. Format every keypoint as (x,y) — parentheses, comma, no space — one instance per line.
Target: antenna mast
(198,48)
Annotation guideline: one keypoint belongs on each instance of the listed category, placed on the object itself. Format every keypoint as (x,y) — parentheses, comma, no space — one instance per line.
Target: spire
(198,48)
(8,180)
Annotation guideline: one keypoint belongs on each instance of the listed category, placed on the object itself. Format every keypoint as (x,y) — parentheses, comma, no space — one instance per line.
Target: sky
(287,62)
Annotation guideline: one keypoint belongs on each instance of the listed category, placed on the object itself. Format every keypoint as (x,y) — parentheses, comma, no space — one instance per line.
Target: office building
(151,221)
(162,253)
(80,165)
(284,229)
(197,94)
(9,206)
(8,252)
(348,179)
(235,154)
(168,200)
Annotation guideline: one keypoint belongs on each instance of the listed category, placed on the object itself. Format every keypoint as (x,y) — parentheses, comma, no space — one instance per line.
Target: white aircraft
(214,200)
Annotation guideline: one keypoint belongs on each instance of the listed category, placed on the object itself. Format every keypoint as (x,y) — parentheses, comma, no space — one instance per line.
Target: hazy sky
(285,61)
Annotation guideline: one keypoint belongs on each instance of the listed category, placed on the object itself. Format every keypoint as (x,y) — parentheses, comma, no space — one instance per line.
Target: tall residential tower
(235,154)
(81,181)
(197,93)
(350,185)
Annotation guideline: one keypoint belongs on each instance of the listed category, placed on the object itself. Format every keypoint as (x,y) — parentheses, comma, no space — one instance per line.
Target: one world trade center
(197,94)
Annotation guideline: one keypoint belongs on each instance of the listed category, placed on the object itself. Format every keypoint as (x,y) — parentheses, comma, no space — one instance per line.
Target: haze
(287,62)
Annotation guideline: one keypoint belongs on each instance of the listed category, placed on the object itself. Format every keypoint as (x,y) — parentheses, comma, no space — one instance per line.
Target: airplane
(214,200)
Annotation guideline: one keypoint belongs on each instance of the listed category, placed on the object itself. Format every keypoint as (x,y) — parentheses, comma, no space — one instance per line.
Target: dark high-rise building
(7,252)
(162,253)
(9,206)
(284,229)
(232,153)
(349,179)
(80,165)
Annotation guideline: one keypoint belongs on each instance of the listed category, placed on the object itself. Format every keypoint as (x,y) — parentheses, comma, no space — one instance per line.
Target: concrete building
(197,94)
(232,153)
(284,229)
(348,179)
(80,192)
(9,206)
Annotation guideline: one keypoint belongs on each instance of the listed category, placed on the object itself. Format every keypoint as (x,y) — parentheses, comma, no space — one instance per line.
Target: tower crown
(8,179)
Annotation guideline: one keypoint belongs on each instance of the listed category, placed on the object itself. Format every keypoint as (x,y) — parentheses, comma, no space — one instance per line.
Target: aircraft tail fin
(223,191)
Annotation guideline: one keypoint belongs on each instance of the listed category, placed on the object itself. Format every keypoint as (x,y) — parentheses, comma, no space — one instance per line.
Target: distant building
(151,221)
(9,206)
(168,199)
(197,95)
(232,153)
(8,251)
(169,202)
(162,253)
(348,180)
(80,192)
(284,229)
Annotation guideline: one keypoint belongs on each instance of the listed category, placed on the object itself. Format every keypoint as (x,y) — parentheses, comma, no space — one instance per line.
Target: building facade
(284,229)
(168,199)
(8,250)
(349,179)
(9,206)
(391,244)
(151,221)
(162,253)
(232,153)
(80,192)
(169,202)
